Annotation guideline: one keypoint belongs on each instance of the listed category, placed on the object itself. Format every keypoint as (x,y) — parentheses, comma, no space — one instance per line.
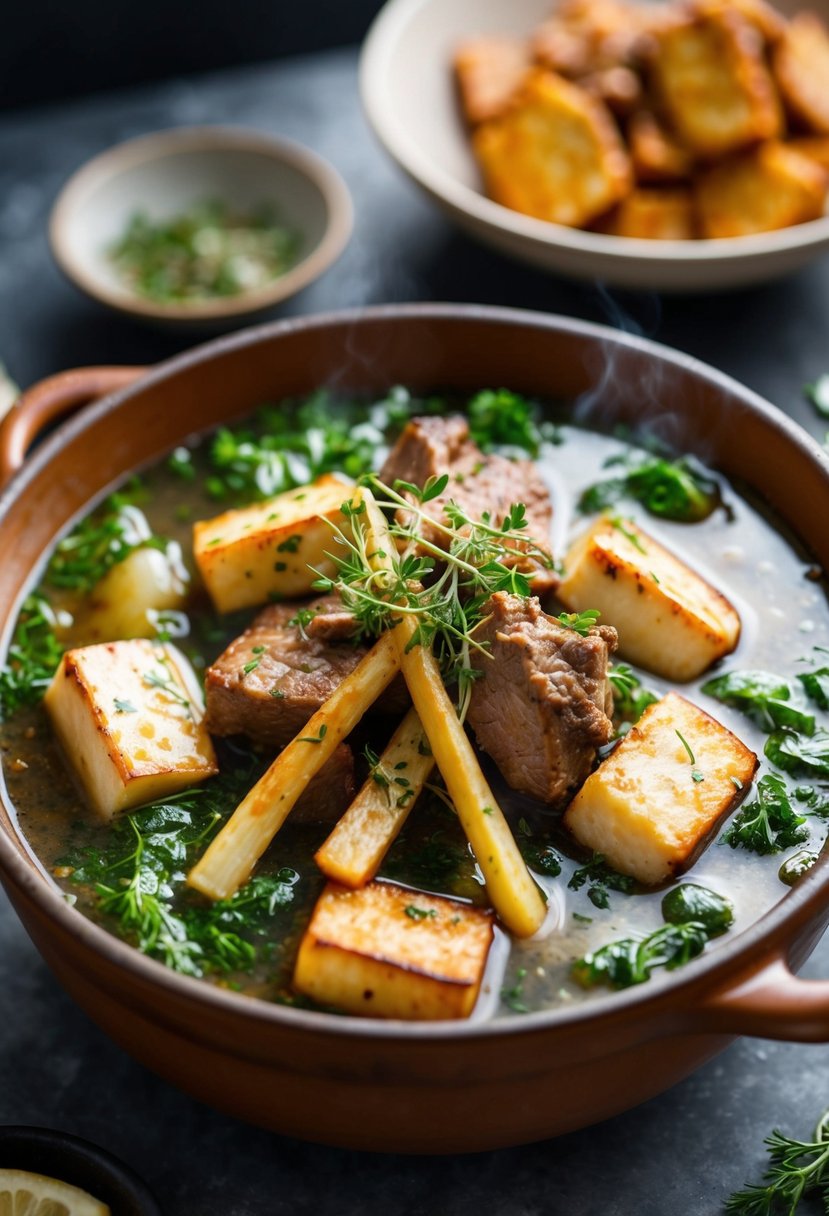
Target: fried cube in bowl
(801,67)
(554,154)
(771,187)
(714,85)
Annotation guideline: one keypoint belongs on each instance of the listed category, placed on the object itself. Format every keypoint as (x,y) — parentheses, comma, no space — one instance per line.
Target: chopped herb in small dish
(204,253)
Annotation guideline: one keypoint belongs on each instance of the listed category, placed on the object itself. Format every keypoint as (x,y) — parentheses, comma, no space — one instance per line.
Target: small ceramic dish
(164,175)
(55,1154)
(407,58)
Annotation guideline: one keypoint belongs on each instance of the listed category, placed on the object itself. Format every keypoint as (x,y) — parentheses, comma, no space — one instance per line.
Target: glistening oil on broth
(784,615)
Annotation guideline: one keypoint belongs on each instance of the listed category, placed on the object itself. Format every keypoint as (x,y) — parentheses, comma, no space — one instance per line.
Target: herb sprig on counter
(796,1168)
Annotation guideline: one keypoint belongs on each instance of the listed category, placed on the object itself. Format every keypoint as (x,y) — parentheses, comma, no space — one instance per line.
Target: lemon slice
(25,1194)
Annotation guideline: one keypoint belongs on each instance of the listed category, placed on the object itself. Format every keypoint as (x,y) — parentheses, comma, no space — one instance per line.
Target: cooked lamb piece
(543,704)
(430,447)
(331,622)
(269,681)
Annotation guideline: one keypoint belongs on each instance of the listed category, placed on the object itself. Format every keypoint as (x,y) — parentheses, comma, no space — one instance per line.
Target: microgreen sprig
(445,587)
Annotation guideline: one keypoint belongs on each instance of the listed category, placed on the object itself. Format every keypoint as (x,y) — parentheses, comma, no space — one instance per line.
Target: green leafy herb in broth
(32,658)
(770,823)
(99,542)
(766,697)
(600,878)
(673,489)
(137,881)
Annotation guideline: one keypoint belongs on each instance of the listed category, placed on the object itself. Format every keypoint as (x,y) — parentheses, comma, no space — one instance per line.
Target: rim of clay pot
(756,947)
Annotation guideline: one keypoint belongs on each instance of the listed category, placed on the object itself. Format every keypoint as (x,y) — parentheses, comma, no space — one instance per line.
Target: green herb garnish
(770,823)
(630,698)
(630,961)
(763,696)
(136,877)
(204,253)
(314,738)
(579,622)
(672,489)
(460,578)
(799,753)
(690,902)
(500,418)
(99,542)
(513,997)
(601,878)
(33,656)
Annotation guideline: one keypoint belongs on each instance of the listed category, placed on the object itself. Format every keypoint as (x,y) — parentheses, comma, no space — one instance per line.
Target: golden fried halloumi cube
(130,718)
(801,68)
(714,85)
(657,155)
(650,807)
(266,550)
(769,188)
(554,154)
(488,71)
(384,951)
(653,214)
(669,619)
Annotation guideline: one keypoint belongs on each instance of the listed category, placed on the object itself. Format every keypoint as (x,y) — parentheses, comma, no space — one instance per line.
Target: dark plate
(58,1155)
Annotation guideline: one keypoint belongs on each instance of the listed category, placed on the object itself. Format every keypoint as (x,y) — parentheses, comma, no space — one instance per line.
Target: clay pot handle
(51,399)
(772,1004)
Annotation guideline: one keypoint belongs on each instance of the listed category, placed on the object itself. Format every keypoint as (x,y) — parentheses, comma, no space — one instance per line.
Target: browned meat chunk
(478,483)
(269,681)
(543,704)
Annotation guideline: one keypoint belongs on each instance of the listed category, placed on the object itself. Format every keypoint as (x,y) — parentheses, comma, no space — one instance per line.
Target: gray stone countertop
(681,1153)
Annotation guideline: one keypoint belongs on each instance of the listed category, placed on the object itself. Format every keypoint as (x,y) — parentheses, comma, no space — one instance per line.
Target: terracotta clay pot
(444,1087)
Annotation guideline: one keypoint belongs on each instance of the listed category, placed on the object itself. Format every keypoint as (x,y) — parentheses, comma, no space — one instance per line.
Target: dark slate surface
(682,1152)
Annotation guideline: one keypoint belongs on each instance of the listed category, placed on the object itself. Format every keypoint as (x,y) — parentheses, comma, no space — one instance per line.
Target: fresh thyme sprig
(446,587)
(796,1168)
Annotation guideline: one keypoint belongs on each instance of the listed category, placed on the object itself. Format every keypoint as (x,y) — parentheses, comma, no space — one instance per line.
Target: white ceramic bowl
(163,175)
(409,97)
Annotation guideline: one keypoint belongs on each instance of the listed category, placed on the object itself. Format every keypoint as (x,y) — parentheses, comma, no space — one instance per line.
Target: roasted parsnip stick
(352,853)
(514,894)
(231,856)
